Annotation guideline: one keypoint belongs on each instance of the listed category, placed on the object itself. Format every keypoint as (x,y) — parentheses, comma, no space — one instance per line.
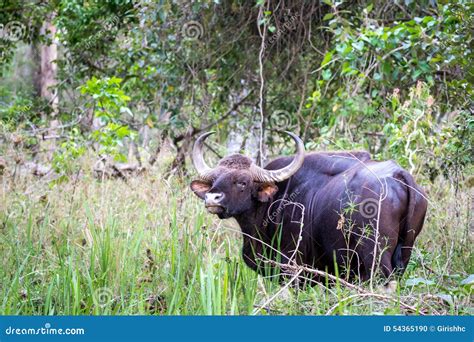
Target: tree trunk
(48,71)
(47,81)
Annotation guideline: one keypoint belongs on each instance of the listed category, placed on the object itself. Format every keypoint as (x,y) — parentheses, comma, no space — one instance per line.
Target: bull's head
(233,187)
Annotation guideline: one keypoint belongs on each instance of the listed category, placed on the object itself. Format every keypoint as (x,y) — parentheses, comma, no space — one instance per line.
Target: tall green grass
(147,246)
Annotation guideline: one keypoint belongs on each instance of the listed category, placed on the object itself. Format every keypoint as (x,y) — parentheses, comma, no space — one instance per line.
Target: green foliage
(371,54)
(109,102)
(108,96)
(65,158)
(415,140)
(18,113)
(351,56)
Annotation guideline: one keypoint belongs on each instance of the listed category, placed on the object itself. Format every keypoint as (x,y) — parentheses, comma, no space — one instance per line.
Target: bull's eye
(241,184)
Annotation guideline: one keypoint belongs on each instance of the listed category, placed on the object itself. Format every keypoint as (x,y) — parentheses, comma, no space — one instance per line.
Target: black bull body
(333,209)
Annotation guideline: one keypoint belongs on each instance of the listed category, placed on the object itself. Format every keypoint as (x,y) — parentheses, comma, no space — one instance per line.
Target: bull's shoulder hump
(379,169)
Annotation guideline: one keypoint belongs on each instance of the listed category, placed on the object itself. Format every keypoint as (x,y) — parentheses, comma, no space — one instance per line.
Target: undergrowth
(147,246)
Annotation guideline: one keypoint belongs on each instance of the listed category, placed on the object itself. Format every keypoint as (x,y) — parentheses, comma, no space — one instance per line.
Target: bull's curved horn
(198,158)
(263,175)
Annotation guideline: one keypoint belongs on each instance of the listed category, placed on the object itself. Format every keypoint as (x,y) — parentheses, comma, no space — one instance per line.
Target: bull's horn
(280,175)
(198,158)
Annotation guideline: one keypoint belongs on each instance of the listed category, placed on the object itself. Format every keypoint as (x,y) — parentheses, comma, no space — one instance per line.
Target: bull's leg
(367,261)
(386,264)
(382,264)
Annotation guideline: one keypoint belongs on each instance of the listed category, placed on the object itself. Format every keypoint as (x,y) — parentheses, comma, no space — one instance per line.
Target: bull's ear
(200,188)
(266,192)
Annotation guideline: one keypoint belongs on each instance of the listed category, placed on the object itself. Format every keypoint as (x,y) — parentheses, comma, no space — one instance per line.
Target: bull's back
(320,165)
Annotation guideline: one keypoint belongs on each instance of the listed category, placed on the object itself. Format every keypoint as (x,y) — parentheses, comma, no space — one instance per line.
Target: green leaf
(328,16)
(468,281)
(446,297)
(418,281)
(358,45)
(122,132)
(326,74)
(327,58)
(126,110)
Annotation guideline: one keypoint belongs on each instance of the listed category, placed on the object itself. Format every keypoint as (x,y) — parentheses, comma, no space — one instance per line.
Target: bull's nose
(214,198)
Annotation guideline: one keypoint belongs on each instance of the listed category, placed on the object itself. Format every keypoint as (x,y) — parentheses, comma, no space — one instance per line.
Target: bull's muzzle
(213,201)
